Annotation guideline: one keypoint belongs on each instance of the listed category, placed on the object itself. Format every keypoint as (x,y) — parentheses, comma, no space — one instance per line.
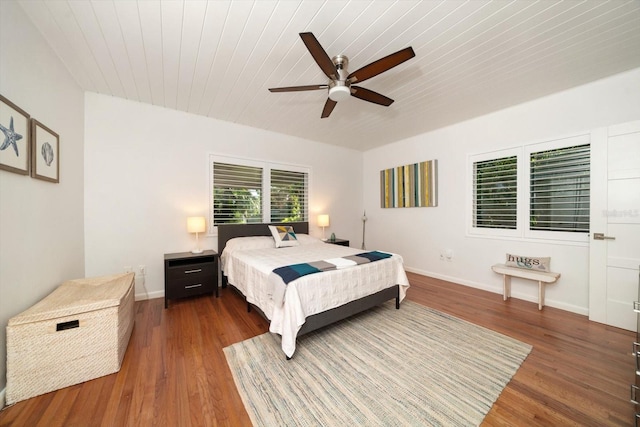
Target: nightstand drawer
(190,286)
(192,271)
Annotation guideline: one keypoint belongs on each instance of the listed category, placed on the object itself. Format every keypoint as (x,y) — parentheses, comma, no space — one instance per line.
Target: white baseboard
(498,290)
(477,285)
(149,295)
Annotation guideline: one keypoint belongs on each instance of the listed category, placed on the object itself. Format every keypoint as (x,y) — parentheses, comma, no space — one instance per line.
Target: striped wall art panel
(410,186)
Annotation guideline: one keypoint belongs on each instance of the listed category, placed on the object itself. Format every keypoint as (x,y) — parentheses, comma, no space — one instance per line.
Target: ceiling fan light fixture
(340,80)
(339,93)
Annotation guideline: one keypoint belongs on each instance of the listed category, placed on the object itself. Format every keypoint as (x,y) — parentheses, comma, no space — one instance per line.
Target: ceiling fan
(340,85)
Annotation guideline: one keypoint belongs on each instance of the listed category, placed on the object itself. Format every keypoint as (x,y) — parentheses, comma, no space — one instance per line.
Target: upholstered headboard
(229,231)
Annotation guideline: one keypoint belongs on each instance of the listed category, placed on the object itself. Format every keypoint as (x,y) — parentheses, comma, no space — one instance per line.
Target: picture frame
(15,137)
(45,153)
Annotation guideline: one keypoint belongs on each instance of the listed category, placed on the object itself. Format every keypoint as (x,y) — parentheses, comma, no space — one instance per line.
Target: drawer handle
(193,286)
(193,271)
(636,306)
(635,349)
(634,390)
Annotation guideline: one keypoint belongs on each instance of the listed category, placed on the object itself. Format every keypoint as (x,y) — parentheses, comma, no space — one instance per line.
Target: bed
(312,301)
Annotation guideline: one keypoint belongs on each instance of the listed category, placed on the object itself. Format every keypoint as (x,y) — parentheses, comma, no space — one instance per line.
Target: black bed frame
(320,320)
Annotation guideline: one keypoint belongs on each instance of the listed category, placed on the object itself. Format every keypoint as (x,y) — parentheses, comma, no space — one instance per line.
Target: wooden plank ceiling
(218,58)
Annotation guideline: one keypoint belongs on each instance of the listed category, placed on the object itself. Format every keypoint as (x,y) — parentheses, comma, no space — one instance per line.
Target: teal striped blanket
(289,273)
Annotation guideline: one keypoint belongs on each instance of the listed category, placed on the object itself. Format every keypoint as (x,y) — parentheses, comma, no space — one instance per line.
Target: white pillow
(251,242)
(283,235)
(305,239)
(244,243)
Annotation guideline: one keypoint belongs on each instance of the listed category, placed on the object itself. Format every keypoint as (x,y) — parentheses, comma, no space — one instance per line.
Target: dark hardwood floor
(175,374)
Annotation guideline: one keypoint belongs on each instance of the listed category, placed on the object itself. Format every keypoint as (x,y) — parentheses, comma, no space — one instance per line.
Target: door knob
(601,236)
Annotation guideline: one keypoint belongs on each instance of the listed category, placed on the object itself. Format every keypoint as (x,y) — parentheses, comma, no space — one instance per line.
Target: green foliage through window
(557,189)
(495,193)
(288,196)
(237,193)
(240,193)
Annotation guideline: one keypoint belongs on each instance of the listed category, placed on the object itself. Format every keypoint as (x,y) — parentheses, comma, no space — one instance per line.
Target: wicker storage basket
(78,332)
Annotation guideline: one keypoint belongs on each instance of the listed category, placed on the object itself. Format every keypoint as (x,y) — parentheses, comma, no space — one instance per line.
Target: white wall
(420,233)
(41,223)
(146,170)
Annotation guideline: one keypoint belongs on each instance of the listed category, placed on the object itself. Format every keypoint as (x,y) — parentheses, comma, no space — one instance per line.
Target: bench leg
(540,295)
(506,287)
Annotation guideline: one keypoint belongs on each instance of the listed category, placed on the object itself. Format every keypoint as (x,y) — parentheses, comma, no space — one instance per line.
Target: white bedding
(249,271)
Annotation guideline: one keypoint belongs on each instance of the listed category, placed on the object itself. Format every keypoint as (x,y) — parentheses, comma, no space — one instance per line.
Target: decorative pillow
(528,263)
(283,235)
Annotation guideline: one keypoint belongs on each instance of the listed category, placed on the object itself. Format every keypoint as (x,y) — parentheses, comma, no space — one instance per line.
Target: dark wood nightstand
(337,241)
(187,274)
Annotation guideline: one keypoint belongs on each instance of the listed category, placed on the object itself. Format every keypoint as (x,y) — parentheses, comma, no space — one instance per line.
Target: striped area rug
(410,367)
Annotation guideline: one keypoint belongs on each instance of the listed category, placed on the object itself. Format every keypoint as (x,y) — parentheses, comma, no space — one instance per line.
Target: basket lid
(78,296)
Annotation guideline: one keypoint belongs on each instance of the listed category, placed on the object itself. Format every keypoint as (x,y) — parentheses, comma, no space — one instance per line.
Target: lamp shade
(196,224)
(323,220)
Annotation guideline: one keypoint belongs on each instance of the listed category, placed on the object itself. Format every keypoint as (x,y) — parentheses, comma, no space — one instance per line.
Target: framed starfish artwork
(45,153)
(14,138)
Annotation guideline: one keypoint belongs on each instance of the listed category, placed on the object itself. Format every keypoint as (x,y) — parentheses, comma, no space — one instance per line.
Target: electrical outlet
(449,254)
(127,269)
(142,269)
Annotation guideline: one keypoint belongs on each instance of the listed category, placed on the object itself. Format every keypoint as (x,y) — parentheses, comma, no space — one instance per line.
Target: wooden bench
(540,276)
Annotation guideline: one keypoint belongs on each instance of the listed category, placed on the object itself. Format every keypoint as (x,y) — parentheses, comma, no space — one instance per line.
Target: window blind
(289,191)
(237,193)
(559,189)
(495,193)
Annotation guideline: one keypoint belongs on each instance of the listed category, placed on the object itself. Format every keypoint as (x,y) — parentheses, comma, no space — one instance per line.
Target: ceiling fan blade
(297,88)
(381,65)
(328,108)
(319,55)
(371,96)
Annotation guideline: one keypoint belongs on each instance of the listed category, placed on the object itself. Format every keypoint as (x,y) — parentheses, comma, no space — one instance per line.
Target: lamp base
(196,251)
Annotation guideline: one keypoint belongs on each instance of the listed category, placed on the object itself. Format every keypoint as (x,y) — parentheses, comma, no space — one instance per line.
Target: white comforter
(249,271)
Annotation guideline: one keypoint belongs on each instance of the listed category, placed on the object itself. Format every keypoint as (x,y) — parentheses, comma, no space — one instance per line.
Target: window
(247,191)
(495,193)
(559,189)
(288,196)
(237,193)
(535,191)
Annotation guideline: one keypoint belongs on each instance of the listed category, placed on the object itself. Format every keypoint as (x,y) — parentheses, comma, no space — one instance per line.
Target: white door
(614,253)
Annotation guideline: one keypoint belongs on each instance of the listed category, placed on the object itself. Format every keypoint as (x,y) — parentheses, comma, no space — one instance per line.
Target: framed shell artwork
(45,153)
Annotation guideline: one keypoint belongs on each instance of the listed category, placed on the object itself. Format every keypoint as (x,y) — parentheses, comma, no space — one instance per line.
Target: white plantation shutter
(559,189)
(250,191)
(536,191)
(289,191)
(237,193)
(495,193)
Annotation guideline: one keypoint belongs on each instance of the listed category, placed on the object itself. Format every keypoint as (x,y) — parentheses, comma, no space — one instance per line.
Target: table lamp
(323,221)
(196,224)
